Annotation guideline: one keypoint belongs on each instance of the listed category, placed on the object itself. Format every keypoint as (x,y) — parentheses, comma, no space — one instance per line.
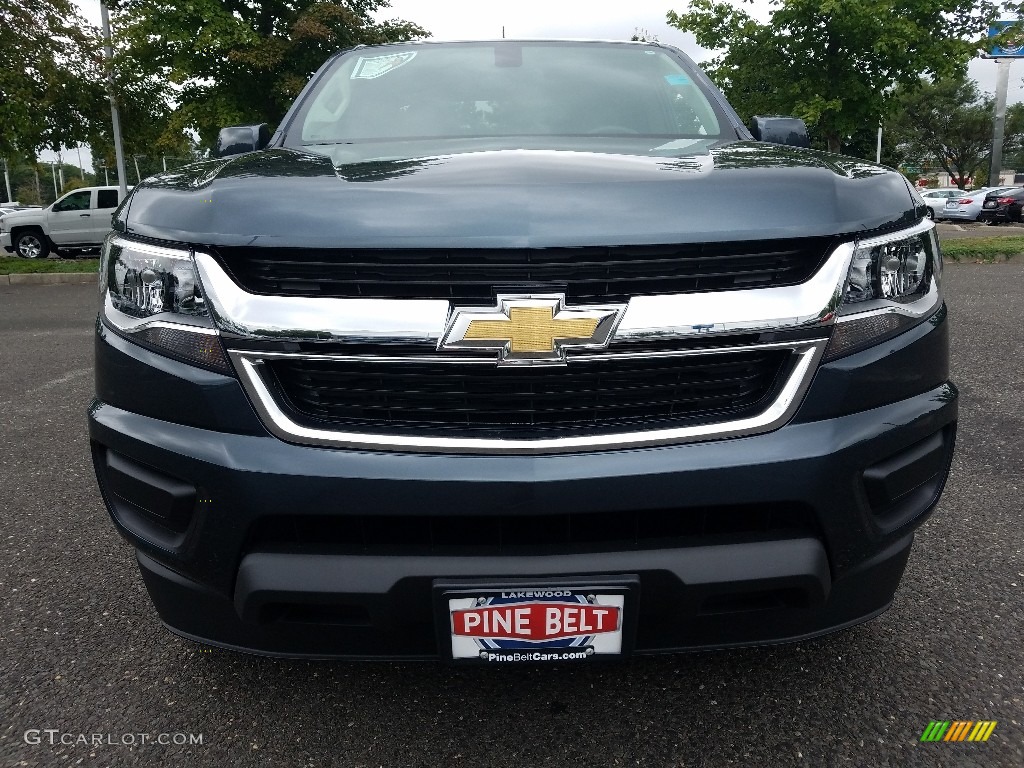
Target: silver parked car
(937,200)
(968,207)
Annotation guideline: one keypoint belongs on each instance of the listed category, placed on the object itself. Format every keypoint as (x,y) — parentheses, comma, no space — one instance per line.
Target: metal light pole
(108,51)
(53,170)
(136,159)
(81,167)
(172,157)
(999,121)
(7,181)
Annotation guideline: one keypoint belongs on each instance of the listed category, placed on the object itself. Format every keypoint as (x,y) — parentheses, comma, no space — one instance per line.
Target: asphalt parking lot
(961,230)
(82,652)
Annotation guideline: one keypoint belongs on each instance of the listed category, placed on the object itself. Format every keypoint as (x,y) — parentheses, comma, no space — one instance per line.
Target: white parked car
(937,200)
(77,221)
(968,207)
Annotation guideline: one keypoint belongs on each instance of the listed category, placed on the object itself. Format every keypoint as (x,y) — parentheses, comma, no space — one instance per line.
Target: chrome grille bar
(806,355)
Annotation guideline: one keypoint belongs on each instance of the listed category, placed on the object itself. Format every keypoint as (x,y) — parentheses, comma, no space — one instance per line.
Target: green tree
(29,182)
(75,182)
(1013,146)
(48,67)
(146,112)
(243,61)
(835,63)
(949,124)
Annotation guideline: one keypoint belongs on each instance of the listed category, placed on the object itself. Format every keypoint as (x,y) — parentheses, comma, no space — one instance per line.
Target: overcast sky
(475,19)
(484,19)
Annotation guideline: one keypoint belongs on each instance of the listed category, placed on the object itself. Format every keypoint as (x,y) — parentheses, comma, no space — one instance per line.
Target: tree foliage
(49,76)
(145,102)
(949,124)
(242,61)
(835,63)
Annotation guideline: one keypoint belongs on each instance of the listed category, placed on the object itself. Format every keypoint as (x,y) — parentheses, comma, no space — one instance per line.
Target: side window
(106,198)
(76,201)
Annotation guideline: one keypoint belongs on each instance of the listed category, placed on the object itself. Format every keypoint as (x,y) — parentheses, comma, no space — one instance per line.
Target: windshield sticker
(372,67)
(678,144)
(677,79)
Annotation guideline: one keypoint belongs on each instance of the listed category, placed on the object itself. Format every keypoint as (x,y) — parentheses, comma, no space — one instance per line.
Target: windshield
(399,102)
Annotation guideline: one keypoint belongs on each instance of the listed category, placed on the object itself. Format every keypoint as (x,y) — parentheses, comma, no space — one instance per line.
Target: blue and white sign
(1012,48)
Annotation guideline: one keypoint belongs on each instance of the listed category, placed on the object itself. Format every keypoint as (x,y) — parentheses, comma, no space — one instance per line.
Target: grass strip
(19,266)
(987,249)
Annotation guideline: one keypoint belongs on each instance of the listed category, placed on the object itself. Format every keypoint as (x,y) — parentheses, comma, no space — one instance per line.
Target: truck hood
(17,218)
(519,198)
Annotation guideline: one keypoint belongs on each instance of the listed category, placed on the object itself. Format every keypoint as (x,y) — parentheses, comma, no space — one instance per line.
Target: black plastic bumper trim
(196,613)
(276,578)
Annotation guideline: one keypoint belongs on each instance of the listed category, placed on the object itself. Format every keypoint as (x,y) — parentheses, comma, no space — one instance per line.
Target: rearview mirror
(790,131)
(242,138)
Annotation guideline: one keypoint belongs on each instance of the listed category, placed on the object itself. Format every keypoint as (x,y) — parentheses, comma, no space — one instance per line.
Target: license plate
(953,204)
(991,204)
(536,622)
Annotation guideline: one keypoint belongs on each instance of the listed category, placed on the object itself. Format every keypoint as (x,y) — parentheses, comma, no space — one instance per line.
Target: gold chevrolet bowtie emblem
(531,329)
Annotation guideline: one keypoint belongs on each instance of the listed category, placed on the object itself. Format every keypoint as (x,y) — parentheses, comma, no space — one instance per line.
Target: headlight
(893,284)
(151,295)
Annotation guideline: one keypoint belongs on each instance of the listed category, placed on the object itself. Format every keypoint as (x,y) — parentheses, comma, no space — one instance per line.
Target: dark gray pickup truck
(520,351)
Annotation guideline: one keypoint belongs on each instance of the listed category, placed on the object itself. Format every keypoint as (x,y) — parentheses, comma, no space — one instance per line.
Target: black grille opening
(486,400)
(606,273)
(526,534)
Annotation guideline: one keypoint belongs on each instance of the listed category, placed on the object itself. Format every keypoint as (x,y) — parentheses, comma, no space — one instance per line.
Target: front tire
(31,245)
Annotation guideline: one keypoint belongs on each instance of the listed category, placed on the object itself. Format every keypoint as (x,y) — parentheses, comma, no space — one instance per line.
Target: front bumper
(5,242)
(249,542)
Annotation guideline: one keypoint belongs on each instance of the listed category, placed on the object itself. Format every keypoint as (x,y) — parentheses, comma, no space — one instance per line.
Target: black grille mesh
(485,400)
(475,275)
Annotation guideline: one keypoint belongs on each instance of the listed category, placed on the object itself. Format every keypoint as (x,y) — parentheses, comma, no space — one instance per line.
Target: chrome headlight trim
(918,308)
(178,262)
(189,336)
(914,309)
(806,355)
(863,324)
(922,226)
(129,325)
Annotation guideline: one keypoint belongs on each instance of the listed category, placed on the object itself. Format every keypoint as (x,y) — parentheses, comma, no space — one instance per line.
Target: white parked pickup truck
(77,221)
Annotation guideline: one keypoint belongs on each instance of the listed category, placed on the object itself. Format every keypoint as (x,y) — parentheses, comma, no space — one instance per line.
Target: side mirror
(780,130)
(242,138)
